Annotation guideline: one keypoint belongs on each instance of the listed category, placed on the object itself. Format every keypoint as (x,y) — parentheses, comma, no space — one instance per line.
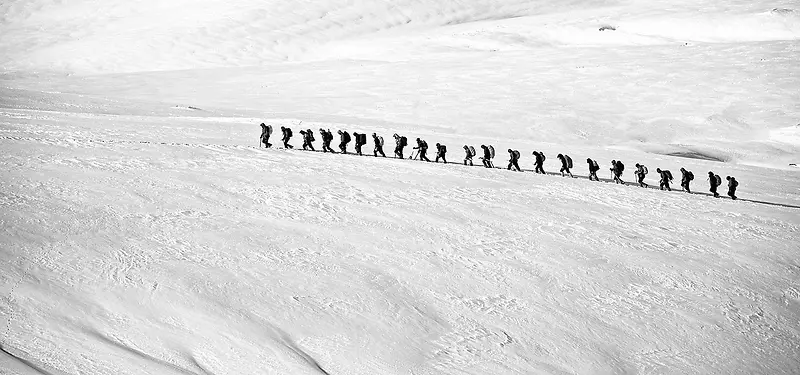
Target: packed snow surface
(142,231)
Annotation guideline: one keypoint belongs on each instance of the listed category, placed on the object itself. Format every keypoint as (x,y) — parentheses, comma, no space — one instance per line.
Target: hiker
(641,171)
(686,178)
(714,182)
(593,168)
(378,145)
(666,178)
(732,185)
(287,135)
(469,154)
(327,137)
(616,171)
(311,139)
(487,157)
(422,148)
(400,143)
(362,141)
(566,164)
(539,161)
(359,139)
(308,137)
(514,159)
(266,131)
(345,139)
(441,150)
(304,138)
(490,156)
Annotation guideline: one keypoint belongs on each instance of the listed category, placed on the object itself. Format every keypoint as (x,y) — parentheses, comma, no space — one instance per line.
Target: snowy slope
(133,248)
(142,231)
(718,80)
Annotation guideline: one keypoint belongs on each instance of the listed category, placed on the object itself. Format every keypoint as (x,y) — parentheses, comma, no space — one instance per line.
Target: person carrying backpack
(686,178)
(358,143)
(666,178)
(593,168)
(641,171)
(378,145)
(441,151)
(732,185)
(566,164)
(287,135)
(266,131)
(513,161)
(539,162)
(344,137)
(487,157)
(327,137)
(324,136)
(468,156)
(400,143)
(714,182)
(311,138)
(308,137)
(490,155)
(422,147)
(616,171)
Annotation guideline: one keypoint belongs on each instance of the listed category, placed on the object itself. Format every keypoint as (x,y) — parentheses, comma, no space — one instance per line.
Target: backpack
(645,171)
(472,151)
(288,132)
(734,183)
(543,157)
(669,175)
(689,176)
(569,161)
(363,139)
(269,130)
(516,155)
(310,136)
(403,141)
(380,141)
(595,166)
(423,144)
(443,149)
(491,151)
(346,137)
(620,166)
(718,179)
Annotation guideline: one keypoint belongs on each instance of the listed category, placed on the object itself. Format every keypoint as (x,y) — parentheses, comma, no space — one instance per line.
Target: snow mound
(718,28)
(157,35)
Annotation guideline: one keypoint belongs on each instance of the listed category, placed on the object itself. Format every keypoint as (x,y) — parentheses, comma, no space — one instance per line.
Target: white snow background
(143,232)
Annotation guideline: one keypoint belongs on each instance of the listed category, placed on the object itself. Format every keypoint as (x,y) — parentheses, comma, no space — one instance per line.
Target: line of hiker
(421,152)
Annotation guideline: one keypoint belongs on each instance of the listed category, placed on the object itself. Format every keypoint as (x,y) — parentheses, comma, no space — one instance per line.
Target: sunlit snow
(143,231)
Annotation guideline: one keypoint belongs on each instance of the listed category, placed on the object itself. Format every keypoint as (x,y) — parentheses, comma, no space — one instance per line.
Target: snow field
(141,231)
(240,260)
(157,35)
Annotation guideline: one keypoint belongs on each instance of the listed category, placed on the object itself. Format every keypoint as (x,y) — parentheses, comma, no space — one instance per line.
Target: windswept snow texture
(143,232)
